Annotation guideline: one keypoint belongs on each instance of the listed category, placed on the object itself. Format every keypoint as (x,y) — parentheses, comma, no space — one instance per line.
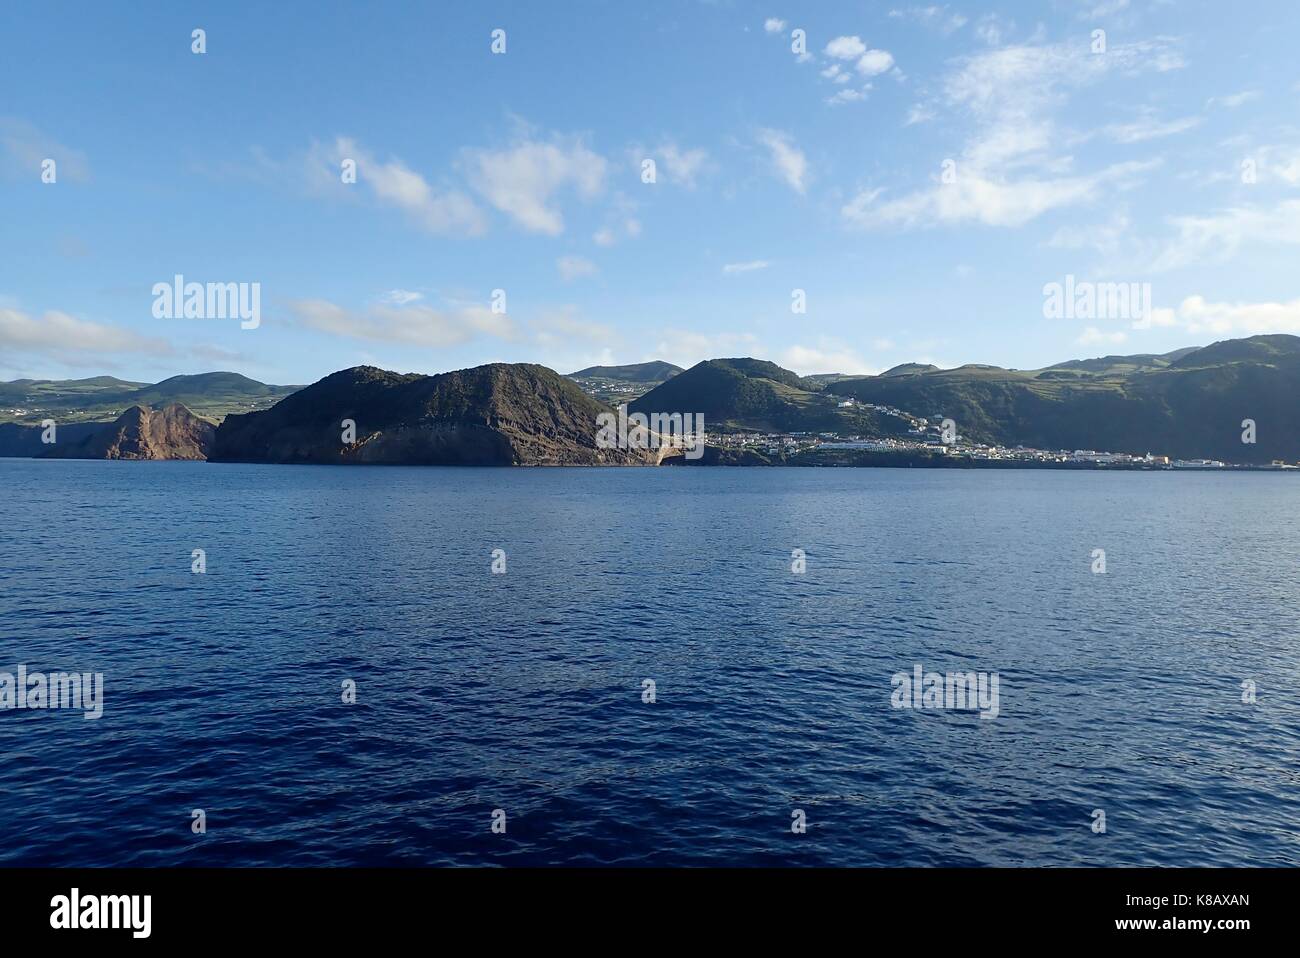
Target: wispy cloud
(1149,128)
(681,164)
(935,17)
(828,356)
(523,180)
(400,297)
(574,267)
(1092,336)
(1218,237)
(1197,315)
(975,198)
(393,183)
(65,338)
(410,324)
(788,161)
(23,147)
(563,327)
(746,267)
(848,96)
(1010,171)
(1233,100)
(687,347)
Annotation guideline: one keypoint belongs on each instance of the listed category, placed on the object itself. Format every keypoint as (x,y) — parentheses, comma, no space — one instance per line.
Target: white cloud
(1233,100)
(846,48)
(608,236)
(1149,128)
(1012,92)
(412,325)
(400,297)
(685,348)
(773,25)
(826,357)
(1197,315)
(874,62)
(397,185)
(788,160)
(682,165)
(23,148)
(1287,168)
(562,328)
(1092,336)
(1007,173)
(574,267)
(747,267)
(57,335)
(848,96)
(979,199)
(522,180)
(918,114)
(1218,237)
(989,29)
(935,17)
(220,354)
(1280,161)
(1105,9)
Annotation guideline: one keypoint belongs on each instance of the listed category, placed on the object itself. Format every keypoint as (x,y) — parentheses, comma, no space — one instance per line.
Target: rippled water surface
(523,691)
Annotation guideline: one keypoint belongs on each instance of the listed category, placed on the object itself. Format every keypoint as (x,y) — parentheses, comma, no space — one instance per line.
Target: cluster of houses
(926,436)
(792,444)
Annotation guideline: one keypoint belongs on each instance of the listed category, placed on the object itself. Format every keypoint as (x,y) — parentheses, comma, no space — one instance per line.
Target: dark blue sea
(522,692)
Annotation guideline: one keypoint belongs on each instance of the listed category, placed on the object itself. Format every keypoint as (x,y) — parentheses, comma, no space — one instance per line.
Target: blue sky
(1169,157)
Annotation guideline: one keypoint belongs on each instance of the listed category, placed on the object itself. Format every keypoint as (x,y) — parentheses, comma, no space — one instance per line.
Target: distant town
(927,438)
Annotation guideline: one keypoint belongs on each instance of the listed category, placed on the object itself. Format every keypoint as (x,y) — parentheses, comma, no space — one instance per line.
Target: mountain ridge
(1192,407)
(103,398)
(1193,402)
(496,414)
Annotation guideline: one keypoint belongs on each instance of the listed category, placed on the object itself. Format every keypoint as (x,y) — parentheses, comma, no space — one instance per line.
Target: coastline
(865,461)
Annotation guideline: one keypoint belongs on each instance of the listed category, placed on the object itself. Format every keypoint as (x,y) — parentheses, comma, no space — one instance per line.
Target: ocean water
(1119,692)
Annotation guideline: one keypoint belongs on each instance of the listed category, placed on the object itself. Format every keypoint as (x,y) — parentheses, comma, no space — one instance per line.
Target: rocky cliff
(172,432)
(495,415)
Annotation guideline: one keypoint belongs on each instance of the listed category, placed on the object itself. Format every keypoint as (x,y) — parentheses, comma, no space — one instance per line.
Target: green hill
(653,372)
(1257,349)
(909,369)
(818,380)
(104,398)
(621,384)
(52,391)
(1116,365)
(754,394)
(1188,403)
(1189,407)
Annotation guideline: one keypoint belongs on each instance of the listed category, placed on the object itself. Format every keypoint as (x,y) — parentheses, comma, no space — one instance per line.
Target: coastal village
(925,437)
